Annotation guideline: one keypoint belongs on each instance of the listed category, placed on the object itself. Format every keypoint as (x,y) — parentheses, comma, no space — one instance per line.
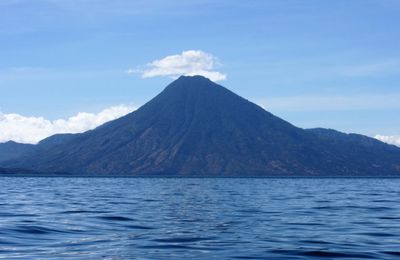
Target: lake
(194,218)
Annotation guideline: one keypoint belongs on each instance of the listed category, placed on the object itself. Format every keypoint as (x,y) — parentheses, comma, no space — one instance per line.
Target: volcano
(196,127)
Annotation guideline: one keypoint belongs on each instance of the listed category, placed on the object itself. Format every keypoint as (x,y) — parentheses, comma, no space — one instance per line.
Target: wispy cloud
(13,74)
(371,69)
(331,103)
(324,70)
(27,129)
(189,63)
(390,139)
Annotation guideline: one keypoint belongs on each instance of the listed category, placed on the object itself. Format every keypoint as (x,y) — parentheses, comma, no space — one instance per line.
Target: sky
(70,65)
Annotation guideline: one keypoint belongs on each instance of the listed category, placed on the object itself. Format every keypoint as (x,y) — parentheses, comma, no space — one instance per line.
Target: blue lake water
(167,218)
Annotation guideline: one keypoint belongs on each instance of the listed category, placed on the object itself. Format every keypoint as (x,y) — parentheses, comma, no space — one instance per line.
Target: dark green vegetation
(198,128)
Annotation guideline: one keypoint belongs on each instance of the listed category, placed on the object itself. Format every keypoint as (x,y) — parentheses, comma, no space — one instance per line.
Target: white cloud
(25,129)
(188,63)
(390,139)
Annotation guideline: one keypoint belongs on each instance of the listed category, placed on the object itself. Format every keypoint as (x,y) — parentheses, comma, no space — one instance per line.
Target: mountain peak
(192,88)
(193,78)
(193,81)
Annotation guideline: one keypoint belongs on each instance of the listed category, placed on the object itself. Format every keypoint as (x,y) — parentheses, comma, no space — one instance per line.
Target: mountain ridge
(196,127)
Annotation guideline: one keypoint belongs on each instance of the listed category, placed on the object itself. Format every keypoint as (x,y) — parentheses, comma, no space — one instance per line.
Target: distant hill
(12,150)
(195,127)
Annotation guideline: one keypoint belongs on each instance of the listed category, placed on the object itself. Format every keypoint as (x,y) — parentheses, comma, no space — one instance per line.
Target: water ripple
(168,218)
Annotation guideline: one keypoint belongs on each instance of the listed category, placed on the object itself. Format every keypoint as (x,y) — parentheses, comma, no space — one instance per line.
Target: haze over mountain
(198,128)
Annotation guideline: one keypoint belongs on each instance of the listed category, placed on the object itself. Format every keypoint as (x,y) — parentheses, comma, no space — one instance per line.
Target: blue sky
(315,63)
